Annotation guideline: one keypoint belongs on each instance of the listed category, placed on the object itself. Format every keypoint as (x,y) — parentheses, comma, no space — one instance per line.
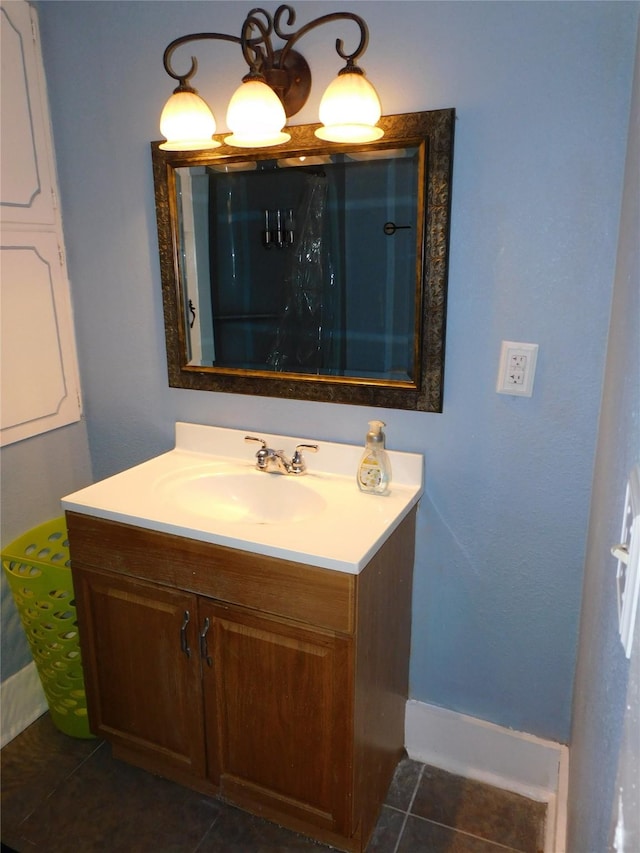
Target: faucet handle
(297,462)
(263,454)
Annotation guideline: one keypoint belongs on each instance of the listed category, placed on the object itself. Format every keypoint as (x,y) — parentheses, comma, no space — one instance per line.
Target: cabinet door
(26,155)
(142,669)
(279,696)
(37,388)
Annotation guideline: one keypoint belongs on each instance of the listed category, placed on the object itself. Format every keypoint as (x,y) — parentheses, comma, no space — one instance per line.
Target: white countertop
(342,535)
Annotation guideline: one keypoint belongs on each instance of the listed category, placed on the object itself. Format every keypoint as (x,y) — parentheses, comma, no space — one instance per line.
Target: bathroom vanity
(247,658)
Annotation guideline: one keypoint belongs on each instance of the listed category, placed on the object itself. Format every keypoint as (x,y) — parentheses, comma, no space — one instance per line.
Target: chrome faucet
(275,461)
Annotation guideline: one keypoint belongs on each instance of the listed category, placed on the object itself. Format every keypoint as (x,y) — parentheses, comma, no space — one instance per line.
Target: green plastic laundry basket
(37,568)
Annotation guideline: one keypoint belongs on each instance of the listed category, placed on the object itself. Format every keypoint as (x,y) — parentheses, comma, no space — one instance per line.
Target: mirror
(310,270)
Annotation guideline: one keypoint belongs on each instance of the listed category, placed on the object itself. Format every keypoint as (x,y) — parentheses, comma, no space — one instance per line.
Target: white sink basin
(252,496)
(208,488)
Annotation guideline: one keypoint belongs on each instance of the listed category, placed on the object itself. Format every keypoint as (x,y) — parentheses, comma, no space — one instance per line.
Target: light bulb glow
(349,110)
(187,123)
(255,116)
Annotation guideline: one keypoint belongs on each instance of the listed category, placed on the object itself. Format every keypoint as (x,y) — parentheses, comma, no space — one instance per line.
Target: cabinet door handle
(184,645)
(204,652)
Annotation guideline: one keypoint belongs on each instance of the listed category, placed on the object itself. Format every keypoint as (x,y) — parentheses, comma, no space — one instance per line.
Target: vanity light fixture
(276,87)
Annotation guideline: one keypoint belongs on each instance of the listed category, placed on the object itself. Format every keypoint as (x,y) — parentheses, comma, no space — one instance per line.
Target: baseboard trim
(23,701)
(476,749)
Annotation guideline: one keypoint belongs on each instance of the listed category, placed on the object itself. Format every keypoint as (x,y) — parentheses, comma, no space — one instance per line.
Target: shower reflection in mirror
(332,303)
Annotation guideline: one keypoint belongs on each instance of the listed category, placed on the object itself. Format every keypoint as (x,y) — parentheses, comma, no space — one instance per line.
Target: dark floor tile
(235,831)
(481,810)
(403,784)
(64,795)
(107,805)
(33,765)
(426,836)
(387,831)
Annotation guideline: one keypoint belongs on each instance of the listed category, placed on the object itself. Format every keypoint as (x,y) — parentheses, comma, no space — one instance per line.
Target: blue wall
(542,93)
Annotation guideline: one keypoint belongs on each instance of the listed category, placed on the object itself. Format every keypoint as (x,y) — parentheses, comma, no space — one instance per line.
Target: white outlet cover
(517,368)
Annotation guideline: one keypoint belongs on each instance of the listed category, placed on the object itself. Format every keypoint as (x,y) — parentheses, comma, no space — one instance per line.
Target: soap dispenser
(374,470)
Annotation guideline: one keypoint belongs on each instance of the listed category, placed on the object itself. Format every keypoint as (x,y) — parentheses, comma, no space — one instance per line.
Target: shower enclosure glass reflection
(303,265)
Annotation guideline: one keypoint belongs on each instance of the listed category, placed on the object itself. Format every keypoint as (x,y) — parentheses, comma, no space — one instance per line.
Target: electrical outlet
(517,368)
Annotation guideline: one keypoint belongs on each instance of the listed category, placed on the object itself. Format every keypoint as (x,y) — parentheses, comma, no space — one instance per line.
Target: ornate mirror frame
(432,130)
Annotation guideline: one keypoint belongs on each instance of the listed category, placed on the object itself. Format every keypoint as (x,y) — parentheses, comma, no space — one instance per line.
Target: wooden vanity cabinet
(278,686)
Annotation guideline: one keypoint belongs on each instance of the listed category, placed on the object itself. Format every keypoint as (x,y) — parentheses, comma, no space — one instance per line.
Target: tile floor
(62,795)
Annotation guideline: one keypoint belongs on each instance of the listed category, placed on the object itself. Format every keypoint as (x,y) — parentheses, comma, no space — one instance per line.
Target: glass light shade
(256,116)
(187,123)
(349,110)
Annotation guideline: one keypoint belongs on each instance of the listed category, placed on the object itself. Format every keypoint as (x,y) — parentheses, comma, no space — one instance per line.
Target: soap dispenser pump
(374,470)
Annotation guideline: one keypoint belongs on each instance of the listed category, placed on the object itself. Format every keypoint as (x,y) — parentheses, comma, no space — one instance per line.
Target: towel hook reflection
(390,228)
